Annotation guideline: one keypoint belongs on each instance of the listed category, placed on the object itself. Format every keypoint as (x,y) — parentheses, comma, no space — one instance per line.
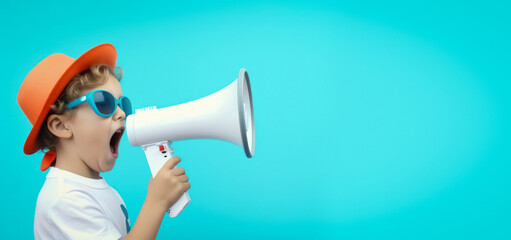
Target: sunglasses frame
(89,98)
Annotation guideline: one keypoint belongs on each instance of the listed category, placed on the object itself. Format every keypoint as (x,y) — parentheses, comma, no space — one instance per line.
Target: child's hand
(168,185)
(163,191)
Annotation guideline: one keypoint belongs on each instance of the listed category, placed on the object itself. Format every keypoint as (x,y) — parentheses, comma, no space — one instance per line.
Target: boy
(77,110)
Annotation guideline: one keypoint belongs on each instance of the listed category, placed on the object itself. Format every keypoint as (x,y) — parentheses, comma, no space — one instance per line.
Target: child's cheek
(91,132)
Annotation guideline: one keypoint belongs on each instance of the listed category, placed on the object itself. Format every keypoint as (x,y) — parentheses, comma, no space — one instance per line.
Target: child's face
(96,139)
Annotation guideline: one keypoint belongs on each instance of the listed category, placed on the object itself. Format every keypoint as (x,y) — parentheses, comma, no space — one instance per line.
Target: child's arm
(163,191)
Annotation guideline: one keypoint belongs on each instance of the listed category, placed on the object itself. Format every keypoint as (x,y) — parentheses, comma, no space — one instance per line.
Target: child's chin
(109,165)
(107,168)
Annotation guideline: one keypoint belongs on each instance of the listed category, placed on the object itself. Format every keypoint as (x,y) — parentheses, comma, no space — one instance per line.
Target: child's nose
(119,113)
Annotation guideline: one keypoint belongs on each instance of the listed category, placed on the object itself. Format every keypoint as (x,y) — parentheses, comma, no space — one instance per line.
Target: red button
(162,148)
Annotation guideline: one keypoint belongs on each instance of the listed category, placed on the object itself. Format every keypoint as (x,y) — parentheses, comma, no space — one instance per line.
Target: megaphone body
(226,115)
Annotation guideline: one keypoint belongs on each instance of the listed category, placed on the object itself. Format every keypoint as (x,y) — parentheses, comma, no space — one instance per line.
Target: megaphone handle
(157,154)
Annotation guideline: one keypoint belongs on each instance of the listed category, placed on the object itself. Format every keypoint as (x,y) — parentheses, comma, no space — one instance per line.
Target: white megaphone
(226,115)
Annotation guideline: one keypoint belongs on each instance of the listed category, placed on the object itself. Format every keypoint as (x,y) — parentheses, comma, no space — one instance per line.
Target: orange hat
(46,81)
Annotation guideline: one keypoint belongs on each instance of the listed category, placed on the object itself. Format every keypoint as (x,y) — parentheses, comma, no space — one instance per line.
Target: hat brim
(101,54)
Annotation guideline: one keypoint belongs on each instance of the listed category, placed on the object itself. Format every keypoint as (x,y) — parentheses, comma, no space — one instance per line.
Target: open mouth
(116,140)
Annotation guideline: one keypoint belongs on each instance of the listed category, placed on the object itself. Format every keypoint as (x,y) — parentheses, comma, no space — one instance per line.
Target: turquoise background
(374,120)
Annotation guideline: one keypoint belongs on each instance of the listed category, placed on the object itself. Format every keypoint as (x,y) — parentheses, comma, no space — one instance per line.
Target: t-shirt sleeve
(75,215)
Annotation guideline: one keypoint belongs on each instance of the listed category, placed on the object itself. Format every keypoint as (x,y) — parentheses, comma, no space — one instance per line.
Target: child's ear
(56,125)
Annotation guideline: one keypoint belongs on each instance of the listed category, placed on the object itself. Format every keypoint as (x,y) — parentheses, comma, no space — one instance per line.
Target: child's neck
(82,172)
(74,164)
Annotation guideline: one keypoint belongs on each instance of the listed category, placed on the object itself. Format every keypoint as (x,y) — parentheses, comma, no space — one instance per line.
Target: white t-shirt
(70,206)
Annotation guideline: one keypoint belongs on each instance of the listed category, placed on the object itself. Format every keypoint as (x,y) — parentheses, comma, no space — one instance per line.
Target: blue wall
(373,120)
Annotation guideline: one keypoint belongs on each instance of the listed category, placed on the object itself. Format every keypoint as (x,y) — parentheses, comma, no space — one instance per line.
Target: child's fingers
(178,171)
(183,178)
(187,186)
(172,162)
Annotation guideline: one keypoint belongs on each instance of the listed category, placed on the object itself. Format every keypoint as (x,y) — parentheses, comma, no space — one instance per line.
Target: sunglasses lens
(104,102)
(126,105)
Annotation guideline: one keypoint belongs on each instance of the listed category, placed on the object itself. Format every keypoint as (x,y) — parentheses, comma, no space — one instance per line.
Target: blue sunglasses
(103,103)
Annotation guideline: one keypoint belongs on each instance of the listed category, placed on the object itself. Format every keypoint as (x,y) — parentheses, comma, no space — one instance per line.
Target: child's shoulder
(61,185)
(58,188)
